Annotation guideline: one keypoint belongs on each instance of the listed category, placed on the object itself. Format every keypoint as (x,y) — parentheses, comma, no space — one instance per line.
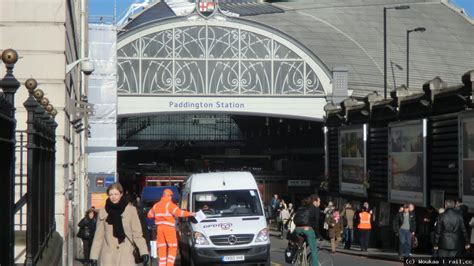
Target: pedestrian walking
(86,233)
(335,230)
(118,230)
(164,213)
(291,209)
(327,216)
(275,205)
(464,211)
(369,210)
(396,228)
(283,205)
(405,224)
(450,233)
(348,215)
(364,227)
(284,218)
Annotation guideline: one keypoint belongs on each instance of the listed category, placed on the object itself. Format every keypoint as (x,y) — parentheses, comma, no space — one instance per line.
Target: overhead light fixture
(75,121)
(424,102)
(78,126)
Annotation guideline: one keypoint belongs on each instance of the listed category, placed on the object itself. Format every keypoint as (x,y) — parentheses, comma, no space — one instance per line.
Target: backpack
(302,217)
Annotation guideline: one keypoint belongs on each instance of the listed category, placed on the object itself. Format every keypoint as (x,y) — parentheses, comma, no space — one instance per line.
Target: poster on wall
(466,158)
(407,162)
(352,160)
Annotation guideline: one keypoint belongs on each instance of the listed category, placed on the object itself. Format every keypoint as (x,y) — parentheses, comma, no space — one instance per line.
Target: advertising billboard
(407,162)
(466,158)
(352,160)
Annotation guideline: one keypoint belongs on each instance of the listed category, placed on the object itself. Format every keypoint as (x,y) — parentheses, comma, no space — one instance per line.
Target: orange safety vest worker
(164,212)
(364,223)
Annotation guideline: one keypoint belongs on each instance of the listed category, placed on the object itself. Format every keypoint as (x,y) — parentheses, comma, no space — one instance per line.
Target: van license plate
(233,258)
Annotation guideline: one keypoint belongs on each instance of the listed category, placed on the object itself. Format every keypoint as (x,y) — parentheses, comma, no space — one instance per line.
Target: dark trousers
(364,239)
(348,237)
(87,243)
(405,242)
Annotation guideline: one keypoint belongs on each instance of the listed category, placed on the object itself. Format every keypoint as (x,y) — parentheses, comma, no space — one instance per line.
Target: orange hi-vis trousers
(167,244)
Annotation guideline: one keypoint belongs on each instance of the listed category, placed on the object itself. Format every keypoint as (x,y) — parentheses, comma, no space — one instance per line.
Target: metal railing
(40,138)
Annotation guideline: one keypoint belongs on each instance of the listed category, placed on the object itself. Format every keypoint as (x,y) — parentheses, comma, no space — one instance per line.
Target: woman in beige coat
(118,226)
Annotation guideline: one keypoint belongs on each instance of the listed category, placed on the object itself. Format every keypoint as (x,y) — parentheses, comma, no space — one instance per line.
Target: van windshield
(228,203)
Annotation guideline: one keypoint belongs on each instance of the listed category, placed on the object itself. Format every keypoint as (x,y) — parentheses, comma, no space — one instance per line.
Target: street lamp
(393,73)
(86,66)
(402,7)
(419,29)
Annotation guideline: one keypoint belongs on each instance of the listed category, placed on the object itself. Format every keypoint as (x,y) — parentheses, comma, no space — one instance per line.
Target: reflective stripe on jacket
(364,221)
(164,212)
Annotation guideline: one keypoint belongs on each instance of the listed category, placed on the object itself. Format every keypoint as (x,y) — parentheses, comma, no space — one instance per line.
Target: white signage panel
(310,108)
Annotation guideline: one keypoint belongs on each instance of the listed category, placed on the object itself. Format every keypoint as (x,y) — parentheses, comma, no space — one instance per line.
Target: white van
(235,229)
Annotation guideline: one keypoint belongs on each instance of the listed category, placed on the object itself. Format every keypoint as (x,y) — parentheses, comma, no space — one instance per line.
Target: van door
(185,230)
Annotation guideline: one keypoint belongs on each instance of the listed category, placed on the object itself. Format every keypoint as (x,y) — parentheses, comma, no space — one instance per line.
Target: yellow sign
(98,200)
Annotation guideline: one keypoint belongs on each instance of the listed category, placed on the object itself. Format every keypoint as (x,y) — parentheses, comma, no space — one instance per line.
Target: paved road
(278,248)
(277,255)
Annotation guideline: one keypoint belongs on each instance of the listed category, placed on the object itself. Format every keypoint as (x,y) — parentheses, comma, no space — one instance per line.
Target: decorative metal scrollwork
(212,60)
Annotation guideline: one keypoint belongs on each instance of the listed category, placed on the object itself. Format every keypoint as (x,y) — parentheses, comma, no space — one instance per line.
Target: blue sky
(106,7)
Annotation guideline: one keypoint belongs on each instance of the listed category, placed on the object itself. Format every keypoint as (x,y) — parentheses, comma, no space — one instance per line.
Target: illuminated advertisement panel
(407,162)
(352,160)
(466,158)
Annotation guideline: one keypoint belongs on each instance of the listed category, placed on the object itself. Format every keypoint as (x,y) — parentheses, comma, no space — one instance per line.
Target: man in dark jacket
(396,228)
(405,223)
(464,211)
(450,232)
(314,213)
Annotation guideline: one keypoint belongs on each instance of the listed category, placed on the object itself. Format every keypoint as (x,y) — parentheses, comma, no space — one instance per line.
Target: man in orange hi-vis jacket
(164,212)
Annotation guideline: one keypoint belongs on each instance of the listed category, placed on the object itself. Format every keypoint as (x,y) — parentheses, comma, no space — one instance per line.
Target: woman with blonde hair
(118,230)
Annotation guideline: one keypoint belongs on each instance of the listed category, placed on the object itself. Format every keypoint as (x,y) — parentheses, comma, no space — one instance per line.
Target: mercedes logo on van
(232,239)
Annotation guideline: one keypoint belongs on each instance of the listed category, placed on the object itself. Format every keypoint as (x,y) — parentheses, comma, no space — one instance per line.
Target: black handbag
(84,232)
(136,252)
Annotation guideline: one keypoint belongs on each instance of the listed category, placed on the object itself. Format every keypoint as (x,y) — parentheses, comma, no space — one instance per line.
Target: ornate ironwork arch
(214,57)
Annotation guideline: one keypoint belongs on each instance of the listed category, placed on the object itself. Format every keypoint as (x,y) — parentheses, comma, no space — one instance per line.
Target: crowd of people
(447,232)
(114,235)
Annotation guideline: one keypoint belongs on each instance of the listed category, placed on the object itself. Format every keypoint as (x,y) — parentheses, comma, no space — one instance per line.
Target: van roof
(221,181)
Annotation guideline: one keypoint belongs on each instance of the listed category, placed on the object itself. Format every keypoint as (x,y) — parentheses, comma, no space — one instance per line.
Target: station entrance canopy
(218,64)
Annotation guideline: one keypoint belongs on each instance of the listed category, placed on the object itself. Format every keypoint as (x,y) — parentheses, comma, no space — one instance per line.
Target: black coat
(90,224)
(398,222)
(314,217)
(450,231)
